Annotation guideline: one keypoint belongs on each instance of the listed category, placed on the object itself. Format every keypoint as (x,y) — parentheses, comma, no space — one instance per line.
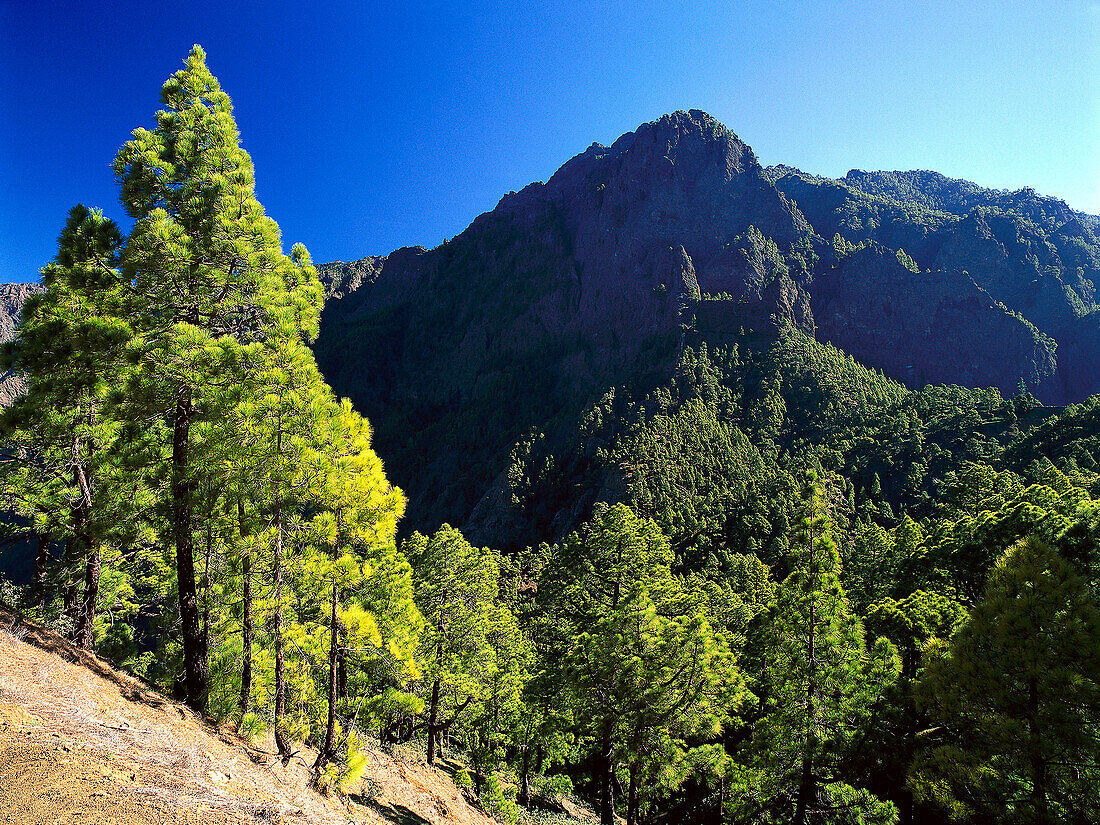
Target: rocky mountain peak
(692,140)
(675,234)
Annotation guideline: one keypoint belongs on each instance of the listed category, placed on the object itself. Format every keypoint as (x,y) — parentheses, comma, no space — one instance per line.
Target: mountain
(490,351)
(488,354)
(564,289)
(1032,255)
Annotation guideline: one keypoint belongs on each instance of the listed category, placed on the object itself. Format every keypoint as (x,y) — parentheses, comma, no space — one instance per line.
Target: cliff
(12,297)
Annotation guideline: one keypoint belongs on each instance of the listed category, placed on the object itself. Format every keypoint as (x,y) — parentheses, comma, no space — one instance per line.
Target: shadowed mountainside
(676,235)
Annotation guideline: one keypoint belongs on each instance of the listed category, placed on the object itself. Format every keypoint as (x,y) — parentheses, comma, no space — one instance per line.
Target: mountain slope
(1031,254)
(564,289)
(83,743)
(675,237)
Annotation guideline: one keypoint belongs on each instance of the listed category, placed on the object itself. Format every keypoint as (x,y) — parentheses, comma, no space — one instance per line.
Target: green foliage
(819,686)
(219,512)
(474,658)
(1017,691)
(355,764)
(647,673)
(498,800)
(557,785)
(252,726)
(715,580)
(907,262)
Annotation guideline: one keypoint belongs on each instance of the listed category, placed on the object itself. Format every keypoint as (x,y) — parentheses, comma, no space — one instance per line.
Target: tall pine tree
(70,345)
(207,276)
(1017,693)
(818,688)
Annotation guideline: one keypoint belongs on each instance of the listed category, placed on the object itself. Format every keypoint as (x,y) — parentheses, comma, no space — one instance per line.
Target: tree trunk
(84,637)
(607,777)
(806,784)
(1038,763)
(632,795)
(433,721)
(280,659)
(70,595)
(206,585)
(342,666)
(246,615)
(81,514)
(194,651)
(525,779)
(326,752)
(41,562)
(433,710)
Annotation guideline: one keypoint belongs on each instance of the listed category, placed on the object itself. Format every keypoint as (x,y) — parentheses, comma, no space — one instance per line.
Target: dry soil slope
(82,743)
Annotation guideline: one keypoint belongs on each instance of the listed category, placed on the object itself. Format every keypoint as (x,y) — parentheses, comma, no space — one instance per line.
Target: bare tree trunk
(83,637)
(806,784)
(607,777)
(246,615)
(82,633)
(194,651)
(41,562)
(433,711)
(525,778)
(1038,763)
(632,795)
(206,585)
(342,666)
(327,750)
(70,594)
(280,658)
(433,721)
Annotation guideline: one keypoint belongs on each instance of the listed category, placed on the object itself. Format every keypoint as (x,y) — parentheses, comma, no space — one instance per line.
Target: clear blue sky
(375,125)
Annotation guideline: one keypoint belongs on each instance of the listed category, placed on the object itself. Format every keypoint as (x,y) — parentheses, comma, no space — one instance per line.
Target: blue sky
(379,125)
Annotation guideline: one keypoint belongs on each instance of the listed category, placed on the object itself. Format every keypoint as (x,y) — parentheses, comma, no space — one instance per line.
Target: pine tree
(282,423)
(1017,692)
(819,686)
(655,683)
(645,670)
(70,345)
(469,632)
(207,276)
(359,510)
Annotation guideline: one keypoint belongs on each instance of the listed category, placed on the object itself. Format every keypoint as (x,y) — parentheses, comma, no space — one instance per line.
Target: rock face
(1031,255)
(927,327)
(564,289)
(12,297)
(676,233)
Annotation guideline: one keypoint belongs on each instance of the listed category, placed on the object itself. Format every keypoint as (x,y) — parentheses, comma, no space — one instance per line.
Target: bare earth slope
(83,743)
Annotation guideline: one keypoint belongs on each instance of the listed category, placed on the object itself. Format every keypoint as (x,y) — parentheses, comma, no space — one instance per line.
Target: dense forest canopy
(709,566)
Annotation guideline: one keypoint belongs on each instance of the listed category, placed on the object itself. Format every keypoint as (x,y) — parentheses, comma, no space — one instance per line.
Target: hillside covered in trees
(675,237)
(730,493)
